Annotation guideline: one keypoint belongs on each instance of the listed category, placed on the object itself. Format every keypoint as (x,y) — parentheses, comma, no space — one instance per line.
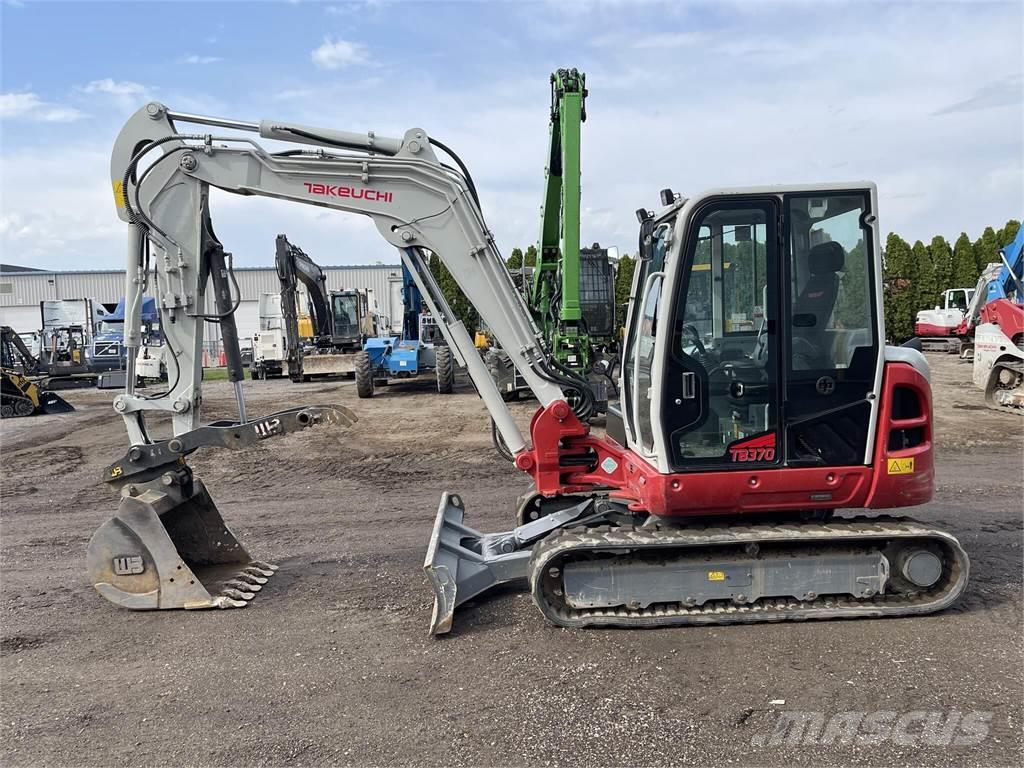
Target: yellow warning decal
(118,194)
(716,575)
(901,466)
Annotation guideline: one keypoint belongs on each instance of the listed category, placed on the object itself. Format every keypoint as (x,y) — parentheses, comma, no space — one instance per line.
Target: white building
(22,291)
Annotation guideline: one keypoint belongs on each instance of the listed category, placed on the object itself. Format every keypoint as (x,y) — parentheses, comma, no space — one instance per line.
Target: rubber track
(9,400)
(992,392)
(853,531)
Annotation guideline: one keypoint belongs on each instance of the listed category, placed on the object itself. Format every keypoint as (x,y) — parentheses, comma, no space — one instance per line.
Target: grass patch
(220,374)
(215,374)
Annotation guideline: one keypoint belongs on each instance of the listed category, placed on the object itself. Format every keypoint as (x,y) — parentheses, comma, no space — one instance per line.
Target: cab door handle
(689,385)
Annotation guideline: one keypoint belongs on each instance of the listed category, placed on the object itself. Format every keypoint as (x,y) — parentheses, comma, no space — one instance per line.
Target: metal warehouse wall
(21,292)
(27,289)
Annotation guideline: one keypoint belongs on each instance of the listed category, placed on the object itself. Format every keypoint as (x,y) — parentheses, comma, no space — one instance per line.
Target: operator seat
(812,309)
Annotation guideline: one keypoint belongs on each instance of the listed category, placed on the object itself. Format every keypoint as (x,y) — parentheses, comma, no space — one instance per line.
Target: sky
(924,98)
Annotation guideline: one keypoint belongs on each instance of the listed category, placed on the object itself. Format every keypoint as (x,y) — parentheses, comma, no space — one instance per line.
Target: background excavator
(571,291)
(758,397)
(22,393)
(342,321)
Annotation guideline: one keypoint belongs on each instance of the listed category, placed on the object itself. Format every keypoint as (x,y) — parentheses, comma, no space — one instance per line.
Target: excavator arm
(997,281)
(294,267)
(8,336)
(418,204)
(557,273)
(167,546)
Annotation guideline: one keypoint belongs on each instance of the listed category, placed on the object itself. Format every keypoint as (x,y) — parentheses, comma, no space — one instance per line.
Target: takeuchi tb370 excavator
(758,396)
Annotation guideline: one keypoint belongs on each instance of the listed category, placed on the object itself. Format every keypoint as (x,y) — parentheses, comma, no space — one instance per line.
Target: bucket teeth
(237,594)
(225,601)
(264,566)
(259,574)
(243,586)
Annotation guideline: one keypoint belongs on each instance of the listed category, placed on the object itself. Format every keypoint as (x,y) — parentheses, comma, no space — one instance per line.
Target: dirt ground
(331,664)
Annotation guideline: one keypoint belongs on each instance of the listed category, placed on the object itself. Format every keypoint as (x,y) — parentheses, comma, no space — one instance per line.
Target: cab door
(642,327)
(721,397)
(834,354)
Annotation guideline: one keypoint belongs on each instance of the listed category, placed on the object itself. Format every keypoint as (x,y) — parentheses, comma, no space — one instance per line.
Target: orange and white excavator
(758,398)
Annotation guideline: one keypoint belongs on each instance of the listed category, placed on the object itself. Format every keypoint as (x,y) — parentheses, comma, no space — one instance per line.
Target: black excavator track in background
(580,577)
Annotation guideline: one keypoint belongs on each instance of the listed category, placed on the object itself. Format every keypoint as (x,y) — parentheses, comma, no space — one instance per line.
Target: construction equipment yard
(332,662)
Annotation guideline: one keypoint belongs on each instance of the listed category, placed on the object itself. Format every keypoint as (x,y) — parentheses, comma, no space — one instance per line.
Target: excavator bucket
(51,402)
(168,546)
(166,550)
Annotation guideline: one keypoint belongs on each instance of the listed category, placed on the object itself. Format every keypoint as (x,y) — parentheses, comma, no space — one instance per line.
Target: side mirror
(804,320)
(613,253)
(645,248)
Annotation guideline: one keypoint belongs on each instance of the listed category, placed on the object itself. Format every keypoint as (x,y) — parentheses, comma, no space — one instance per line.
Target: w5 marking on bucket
(268,428)
(128,565)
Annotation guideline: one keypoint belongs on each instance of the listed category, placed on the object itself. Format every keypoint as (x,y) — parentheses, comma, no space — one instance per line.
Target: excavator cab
(349,317)
(773,350)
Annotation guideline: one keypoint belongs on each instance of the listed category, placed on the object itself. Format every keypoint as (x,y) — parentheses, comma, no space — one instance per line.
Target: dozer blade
(51,402)
(163,551)
(461,563)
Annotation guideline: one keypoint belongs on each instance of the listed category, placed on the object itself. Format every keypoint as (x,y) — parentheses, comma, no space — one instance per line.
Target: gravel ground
(332,664)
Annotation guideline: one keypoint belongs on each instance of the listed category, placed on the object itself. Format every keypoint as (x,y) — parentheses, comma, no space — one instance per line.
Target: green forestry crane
(572,292)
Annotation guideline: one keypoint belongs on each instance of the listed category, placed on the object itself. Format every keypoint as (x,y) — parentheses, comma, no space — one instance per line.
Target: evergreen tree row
(916,275)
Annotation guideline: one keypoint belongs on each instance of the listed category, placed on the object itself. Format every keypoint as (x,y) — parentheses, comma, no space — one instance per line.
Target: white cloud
(113,87)
(18,104)
(337,54)
(670,40)
(194,58)
(28,106)
(293,94)
(1005,92)
(354,7)
(70,220)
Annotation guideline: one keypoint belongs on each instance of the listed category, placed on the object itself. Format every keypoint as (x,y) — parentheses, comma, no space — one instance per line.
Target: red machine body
(1007,315)
(930,329)
(566,459)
